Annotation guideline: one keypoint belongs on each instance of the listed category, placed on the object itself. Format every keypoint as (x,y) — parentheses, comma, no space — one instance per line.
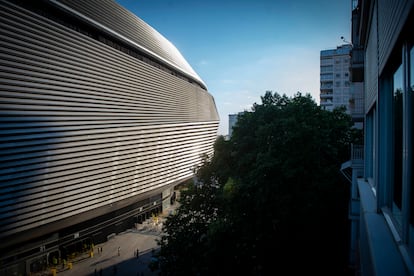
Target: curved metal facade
(130,29)
(86,120)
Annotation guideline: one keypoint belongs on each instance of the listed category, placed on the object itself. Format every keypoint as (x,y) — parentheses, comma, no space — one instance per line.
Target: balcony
(326,86)
(326,95)
(327,62)
(327,77)
(357,153)
(356,102)
(357,64)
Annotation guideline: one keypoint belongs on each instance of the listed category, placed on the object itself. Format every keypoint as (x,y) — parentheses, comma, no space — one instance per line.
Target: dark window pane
(398,131)
(411,123)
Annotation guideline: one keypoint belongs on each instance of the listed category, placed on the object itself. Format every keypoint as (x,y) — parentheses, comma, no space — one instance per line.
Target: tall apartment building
(233,118)
(335,77)
(232,122)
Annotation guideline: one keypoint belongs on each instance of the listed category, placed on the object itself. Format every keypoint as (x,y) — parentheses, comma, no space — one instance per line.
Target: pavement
(109,262)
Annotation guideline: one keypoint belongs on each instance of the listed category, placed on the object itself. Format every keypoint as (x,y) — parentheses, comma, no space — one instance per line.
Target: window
(325,69)
(398,86)
(410,143)
(393,142)
(410,97)
(370,143)
(326,76)
(398,91)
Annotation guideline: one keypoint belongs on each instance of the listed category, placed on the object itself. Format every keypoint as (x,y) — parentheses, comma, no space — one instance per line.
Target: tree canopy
(270,199)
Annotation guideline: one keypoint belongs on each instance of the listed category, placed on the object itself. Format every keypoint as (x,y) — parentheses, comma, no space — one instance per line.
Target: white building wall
(335,77)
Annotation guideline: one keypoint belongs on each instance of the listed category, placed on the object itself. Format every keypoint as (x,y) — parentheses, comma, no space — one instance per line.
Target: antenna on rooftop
(347,42)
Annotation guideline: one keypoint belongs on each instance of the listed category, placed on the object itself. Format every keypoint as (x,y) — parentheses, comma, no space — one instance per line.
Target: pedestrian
(54,260)
(119,251)
(96,272)
(137,253)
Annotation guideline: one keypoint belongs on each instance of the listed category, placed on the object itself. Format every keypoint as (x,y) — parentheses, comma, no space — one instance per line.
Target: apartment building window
(370,130)
(327,76)
(410,106)
(397,140)
(398,90)
(325,69)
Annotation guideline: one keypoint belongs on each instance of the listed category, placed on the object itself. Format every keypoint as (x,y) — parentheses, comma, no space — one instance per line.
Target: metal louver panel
(128,27)
(83,125)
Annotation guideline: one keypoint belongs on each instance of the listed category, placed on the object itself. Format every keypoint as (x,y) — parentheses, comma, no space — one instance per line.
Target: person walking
(137,253)
(119,251)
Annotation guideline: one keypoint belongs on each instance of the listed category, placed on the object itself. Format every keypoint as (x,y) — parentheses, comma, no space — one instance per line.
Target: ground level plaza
(117,256)
(108,262)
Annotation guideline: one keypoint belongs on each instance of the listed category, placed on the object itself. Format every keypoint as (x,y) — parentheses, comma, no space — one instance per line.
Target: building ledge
(380,254)
(354,208)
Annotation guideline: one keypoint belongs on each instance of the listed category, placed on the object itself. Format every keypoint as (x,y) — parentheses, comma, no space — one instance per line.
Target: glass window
(398,141)
(326,76)
(412,69)
(411,123)
(370,144)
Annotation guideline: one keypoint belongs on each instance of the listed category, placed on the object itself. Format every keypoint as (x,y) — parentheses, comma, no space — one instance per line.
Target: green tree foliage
(270,199)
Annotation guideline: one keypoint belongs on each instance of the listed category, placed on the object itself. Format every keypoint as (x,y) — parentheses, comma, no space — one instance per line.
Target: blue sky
(242,48)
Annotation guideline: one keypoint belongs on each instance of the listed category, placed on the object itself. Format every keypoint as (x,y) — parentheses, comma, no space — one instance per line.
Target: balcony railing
(326,95)
(357,152)
(326,85)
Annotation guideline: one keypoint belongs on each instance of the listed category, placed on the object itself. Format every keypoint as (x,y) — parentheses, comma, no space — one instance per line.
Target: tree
(272,196)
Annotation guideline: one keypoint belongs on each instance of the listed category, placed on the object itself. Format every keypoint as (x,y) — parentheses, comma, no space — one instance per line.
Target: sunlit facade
(101,117)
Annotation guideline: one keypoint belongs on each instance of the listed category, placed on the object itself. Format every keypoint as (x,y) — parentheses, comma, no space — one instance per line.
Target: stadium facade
(101,117)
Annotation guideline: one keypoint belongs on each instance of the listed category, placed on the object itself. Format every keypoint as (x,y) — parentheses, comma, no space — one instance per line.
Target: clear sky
(242,48)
